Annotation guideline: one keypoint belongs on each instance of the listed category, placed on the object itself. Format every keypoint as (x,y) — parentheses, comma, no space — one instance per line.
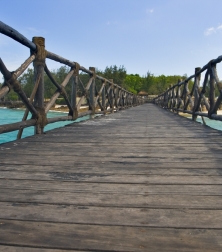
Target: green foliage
(61,101)
(118,75)
(27,81)
(132,82)
(158,84)
(12,96)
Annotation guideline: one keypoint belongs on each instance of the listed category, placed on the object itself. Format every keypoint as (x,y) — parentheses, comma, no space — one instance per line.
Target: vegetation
(132,82)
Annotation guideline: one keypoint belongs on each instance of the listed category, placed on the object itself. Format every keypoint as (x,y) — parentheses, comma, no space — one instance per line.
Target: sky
(169,37)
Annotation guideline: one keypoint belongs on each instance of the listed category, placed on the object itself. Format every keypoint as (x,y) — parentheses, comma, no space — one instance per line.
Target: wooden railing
(188,96)
(105,97)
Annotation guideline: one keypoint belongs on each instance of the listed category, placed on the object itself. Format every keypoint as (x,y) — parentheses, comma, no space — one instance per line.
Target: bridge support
(75,81)
(92,91)
(111,95)
(196,93)
(39,64)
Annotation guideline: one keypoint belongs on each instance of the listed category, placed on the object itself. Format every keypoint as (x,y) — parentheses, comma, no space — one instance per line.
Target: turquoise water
(15,115)
(211,123)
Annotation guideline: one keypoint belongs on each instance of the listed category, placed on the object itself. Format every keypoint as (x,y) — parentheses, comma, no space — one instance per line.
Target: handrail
(109,98)
(191,99)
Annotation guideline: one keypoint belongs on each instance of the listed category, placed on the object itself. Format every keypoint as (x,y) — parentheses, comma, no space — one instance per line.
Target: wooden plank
(113,216)
(29,249)
(131,159)
(103,188)
(116,170)
(112,178)
(116,183)
(108,238)
(129,154)
(118,200)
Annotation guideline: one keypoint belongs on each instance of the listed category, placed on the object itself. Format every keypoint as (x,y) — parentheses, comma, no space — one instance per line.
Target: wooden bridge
(142,179)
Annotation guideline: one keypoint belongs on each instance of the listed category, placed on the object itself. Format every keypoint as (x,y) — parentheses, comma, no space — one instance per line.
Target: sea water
(15,115)
(211,123)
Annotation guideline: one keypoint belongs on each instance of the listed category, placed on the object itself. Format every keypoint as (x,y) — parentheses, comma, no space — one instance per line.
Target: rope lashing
(41,53)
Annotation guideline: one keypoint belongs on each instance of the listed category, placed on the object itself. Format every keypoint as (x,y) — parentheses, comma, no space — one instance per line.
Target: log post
(75,81)
(186,93)
(170,96)
(116,98)
(212,91)
(39,64)
(120,98)
(111,91)
(123,99)
(196,92)
(104,96)
(166,98)
(92,91)
(178,96)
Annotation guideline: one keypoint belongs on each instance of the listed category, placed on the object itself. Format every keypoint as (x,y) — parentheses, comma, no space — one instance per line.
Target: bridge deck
(142,179)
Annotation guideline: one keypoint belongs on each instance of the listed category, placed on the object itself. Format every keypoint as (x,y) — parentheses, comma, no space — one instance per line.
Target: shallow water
(15,115)
(211,123)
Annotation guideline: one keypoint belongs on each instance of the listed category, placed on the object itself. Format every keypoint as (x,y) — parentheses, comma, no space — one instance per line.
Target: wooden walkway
(142,179)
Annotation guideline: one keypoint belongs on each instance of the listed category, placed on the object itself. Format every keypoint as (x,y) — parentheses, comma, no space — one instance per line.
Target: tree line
(134,83)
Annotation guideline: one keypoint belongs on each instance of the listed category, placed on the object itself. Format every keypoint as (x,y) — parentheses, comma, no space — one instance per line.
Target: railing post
(212,92)
(124,99)
(104,96)
(174,99)
(111,91)
(178,96)
(196,92)
(75,81)
(92,91)
(121,99)
(186,94)
(166,99)
(116,97)
(171,97)
(39,64)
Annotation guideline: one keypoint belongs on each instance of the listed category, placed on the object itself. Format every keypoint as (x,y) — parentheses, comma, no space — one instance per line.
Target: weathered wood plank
(108,238)
(112,178)
(117,170)
(96,188)
(29,249)
(116,183)
(113,216)
(118,200)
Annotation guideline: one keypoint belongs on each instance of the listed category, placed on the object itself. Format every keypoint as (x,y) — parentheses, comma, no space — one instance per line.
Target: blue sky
(169,37)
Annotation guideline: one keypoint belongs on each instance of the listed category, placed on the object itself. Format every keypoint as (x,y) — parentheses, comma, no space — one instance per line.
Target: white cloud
(209,31)
(219,27)
(149,10)
(112,23)
(212,30)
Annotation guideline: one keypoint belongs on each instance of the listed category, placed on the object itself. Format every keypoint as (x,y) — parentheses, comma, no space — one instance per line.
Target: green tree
(133,83)
(118,74)
(27,81)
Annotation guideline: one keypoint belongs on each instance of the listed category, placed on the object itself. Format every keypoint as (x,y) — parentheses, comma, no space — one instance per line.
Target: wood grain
(142,179)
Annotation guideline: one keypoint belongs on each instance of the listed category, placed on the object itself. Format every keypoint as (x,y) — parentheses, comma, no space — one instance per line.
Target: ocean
(211,123)
(15,115)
